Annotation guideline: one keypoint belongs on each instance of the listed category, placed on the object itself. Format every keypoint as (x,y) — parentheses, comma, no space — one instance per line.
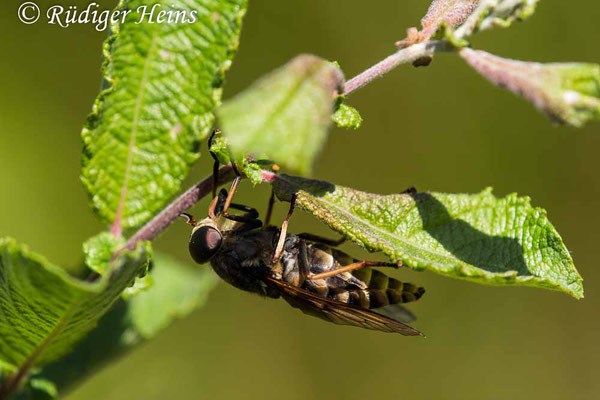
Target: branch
(402,56)
(162,220)
(149,231)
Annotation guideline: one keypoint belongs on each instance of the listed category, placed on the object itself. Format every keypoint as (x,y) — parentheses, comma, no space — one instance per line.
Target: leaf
(141,283)
(568,93)
(98,251)
(495,13)
(45,311)
(458,19)
(476,237)
(285,115)
(163,82)
(252,170)
(177,291)
(449,12)
(37,388)
(347,117)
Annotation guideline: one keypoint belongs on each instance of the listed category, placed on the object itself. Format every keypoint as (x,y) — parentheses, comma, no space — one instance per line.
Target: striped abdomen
(365,287)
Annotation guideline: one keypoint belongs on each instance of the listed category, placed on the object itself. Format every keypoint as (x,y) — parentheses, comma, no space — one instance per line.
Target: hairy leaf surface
(162,83)
(347,117)
(45,311)
(479,237)
(178,289)
(462,18)
(98,251)
(285,115)
(495,13)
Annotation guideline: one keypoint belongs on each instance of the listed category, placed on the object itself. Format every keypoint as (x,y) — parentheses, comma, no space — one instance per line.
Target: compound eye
(204,243)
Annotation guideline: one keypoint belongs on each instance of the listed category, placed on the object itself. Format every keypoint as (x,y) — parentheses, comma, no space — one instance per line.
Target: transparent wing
(396,312)
(337,312)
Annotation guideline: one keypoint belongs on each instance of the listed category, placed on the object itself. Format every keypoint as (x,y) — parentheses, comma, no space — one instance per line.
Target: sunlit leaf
(162,83)
(347,117)
(285,115)
(98,251)
(479,237)
(252,170)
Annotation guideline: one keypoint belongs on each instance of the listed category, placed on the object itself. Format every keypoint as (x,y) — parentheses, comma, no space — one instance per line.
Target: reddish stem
(163,219)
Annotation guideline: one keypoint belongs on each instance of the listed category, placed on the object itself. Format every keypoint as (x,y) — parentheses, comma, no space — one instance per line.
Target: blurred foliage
(177,291)
(285,115)
(46,311)
(439,128)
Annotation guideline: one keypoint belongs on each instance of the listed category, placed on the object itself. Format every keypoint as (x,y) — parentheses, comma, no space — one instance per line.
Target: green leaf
(163,82)
(568,93)
(141,283)
(252,170)
(347,117)
(220,149)
(500,241)
(495,13)
(45,311)
(98,251)
(37,388)
(285,115)
(177,291)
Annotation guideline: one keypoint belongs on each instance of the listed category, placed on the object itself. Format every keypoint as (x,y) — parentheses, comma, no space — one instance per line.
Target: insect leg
(250,212)
(215,176)
(270,208)
(232,191)
(351,267)
(216,164)
(319,239)
(251,215)
(189,219)
(215,209)
(411,190)
(249,225)
(303,263)
(283,231)
(234,186)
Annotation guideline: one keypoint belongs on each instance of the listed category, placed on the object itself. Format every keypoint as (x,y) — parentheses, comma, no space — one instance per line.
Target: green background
(440,128)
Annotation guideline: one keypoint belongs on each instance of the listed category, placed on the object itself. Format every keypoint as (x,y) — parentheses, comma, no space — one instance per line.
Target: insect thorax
(245,259)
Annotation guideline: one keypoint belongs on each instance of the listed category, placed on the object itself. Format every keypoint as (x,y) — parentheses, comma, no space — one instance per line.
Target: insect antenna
(270,208)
